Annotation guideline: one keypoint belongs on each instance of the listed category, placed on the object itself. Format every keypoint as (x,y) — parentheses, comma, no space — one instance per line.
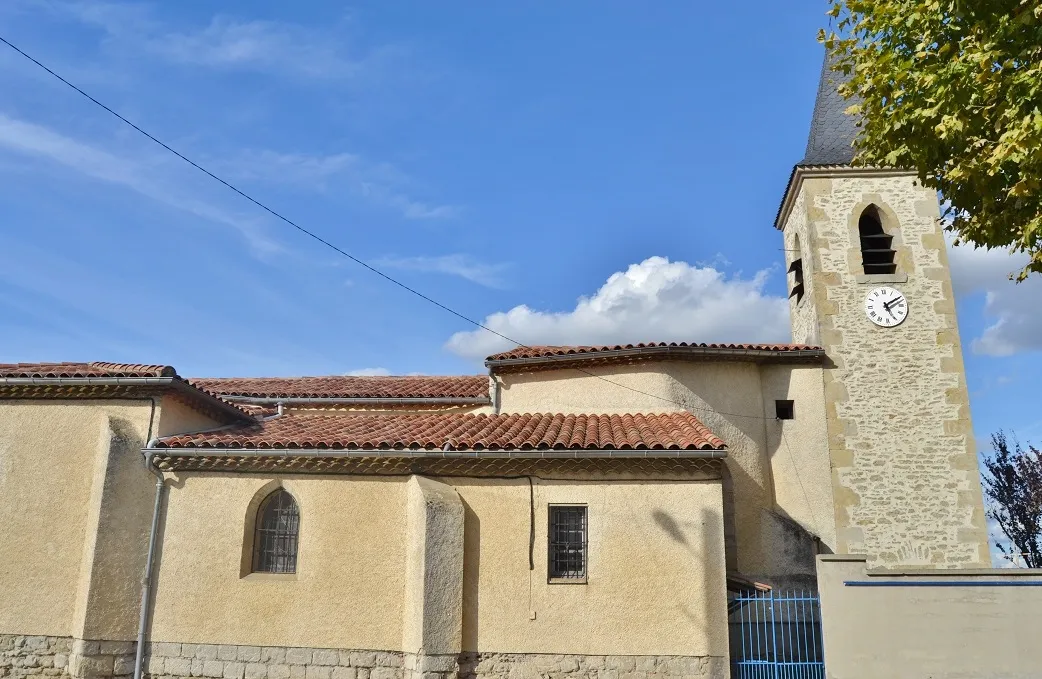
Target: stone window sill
(566,581)
(868,279)
(269,577)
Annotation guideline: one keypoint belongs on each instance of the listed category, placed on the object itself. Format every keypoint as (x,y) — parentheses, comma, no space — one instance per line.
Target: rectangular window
(785,410)
(567,538)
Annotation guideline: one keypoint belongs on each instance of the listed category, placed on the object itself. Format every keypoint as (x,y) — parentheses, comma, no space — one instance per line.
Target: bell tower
(869,281)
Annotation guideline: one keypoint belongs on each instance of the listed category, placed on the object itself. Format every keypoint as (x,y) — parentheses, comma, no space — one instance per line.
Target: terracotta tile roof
(94,369)
(54,379)
(462,431)
(657,351)
(422,386)
(585,468)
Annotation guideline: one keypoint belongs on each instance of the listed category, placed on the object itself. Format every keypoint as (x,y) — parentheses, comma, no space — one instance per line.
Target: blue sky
(571,172)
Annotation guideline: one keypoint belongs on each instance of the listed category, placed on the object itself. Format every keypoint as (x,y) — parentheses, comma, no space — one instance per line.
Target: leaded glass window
(567,532)
(275,541)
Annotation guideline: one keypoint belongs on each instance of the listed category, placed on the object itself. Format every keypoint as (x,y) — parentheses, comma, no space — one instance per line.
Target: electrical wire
(346,254)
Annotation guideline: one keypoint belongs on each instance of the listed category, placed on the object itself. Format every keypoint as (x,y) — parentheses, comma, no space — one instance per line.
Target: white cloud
(368,372)
(37,141)
(379,183)
(1013,309)
(655,300)
(489,275)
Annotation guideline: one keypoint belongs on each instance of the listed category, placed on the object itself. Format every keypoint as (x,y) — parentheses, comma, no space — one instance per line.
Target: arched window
(275,539)
(877,251)
(796,269)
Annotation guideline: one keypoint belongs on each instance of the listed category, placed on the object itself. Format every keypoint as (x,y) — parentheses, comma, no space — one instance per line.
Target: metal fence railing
(775,635)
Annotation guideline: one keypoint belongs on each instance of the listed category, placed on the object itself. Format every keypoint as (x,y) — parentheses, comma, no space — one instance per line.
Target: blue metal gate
(775,636)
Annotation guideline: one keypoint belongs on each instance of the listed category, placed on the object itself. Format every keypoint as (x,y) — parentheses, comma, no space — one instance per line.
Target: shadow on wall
(683,534)
(471,570)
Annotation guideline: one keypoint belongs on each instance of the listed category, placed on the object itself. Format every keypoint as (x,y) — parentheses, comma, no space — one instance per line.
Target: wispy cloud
(381,184)
(368,372)
(227,42)
(1016,324)
(30,139)
(464,266)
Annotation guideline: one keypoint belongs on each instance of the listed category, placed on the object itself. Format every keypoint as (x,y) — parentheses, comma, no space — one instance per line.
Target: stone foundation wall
(23,656)
(534,665)
(35,657)
(213,661)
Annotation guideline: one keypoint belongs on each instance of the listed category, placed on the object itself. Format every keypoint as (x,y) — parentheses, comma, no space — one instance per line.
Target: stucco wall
(57,461)
(941,624)
(799,453)
(906,484)
(736,401)
(350,583)
(655,573)
(175,417)
(656,577)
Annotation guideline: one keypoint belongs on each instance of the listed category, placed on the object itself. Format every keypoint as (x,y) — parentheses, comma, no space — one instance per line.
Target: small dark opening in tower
(785,410)
(877,252)
(796,269)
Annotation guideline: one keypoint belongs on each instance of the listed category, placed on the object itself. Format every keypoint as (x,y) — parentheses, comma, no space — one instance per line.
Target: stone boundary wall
(35,657)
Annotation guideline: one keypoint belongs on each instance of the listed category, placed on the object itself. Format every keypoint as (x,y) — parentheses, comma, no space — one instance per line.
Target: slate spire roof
(832,131)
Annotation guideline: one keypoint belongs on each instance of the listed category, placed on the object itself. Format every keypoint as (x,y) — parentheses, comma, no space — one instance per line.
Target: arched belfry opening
(877,247)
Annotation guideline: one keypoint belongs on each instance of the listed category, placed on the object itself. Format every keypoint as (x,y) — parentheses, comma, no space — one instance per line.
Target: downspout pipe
(146,578)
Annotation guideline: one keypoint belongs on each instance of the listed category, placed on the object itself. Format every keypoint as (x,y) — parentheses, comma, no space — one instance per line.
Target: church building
(577,511)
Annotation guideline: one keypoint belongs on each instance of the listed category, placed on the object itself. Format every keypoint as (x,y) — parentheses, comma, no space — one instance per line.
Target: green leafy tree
(1013,487)
(953,90)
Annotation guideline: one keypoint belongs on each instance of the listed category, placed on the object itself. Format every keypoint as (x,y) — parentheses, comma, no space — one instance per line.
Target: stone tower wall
(905,477)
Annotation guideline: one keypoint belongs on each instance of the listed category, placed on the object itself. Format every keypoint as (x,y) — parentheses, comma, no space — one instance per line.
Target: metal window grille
(567,558)
(275,541)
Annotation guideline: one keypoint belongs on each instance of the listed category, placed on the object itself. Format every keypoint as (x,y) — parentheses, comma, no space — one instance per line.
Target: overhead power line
(335,248)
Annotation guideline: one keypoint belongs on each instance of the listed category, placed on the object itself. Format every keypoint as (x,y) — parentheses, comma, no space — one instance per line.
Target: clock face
(886,307)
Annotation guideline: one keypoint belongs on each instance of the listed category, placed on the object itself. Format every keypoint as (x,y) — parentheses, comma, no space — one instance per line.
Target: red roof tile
(421,386)
(462,431)
(545,351)
(555,357)
(94,369)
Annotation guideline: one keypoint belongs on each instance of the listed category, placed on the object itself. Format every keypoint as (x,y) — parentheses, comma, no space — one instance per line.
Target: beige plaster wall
(968,630)
(58,459)
(656,570)
(433,610)
(349,588)
(798,449)
(175,417)
(905,481)
(736,401)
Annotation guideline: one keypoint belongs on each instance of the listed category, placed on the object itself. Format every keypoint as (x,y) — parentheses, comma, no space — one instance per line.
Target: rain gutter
(354,400)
